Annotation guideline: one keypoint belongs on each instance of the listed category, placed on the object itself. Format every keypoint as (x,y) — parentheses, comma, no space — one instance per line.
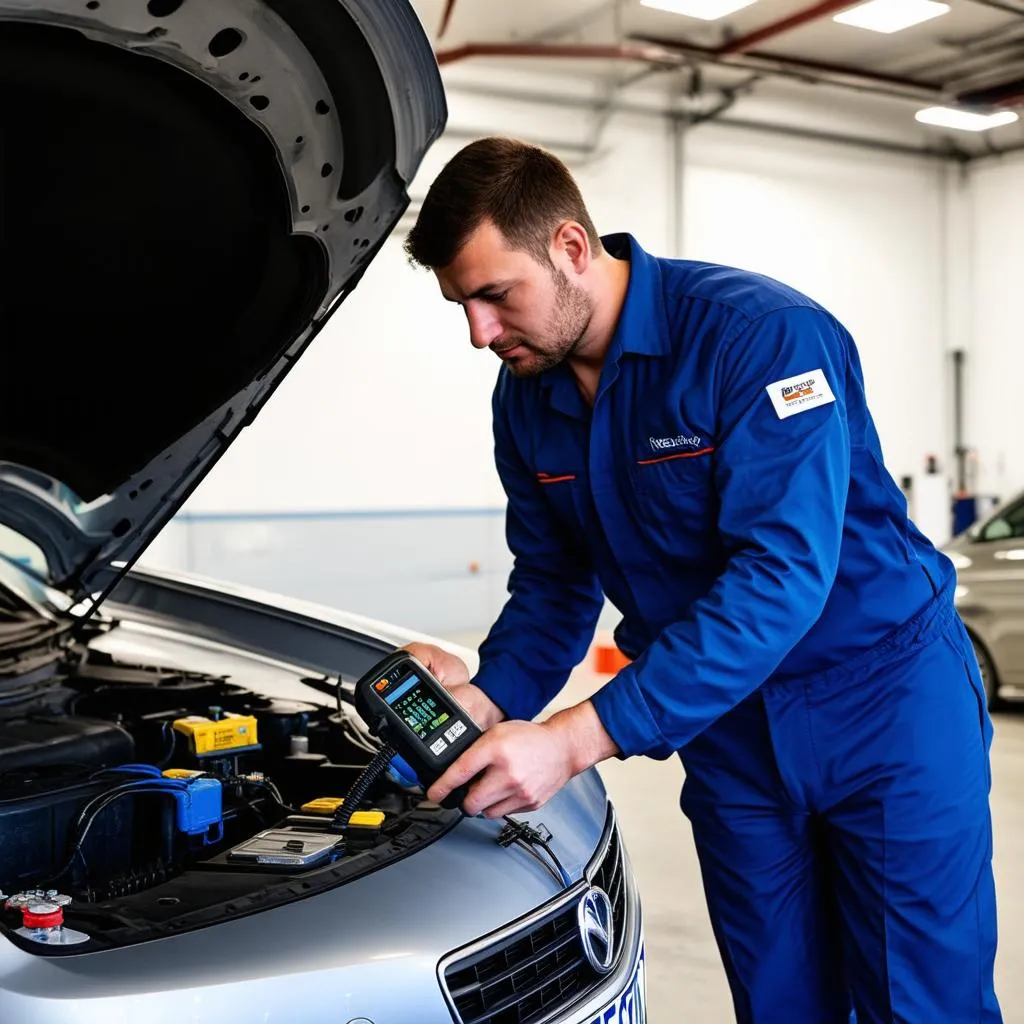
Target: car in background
(989,562)
(191,189)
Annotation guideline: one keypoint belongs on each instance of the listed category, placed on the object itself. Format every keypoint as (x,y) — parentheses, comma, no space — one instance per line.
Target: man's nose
(484,325)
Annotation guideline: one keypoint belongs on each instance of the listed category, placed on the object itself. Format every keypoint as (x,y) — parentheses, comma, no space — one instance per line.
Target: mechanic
(693,442)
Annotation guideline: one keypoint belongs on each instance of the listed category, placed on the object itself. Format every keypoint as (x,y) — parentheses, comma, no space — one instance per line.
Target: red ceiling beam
(776,28)
(738,52)
(739,45)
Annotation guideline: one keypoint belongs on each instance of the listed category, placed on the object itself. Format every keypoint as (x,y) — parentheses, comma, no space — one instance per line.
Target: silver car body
(989,561)
(374,949)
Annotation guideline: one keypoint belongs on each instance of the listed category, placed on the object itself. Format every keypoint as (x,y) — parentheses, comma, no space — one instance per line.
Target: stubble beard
(570,319)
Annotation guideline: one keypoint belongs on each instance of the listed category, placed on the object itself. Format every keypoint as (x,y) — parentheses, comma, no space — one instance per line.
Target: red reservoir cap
(42,916)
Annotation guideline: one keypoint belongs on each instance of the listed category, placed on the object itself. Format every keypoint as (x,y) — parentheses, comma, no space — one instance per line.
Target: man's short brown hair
(524,190)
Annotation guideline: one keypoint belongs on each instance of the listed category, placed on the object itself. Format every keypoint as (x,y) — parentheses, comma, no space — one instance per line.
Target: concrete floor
(685,981)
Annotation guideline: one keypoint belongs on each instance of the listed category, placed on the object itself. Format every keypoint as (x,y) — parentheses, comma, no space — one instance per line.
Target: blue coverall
(793,638)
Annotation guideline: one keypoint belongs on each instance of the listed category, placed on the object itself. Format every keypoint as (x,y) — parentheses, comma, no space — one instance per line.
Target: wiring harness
(367,777)
(198,800)
(528,838)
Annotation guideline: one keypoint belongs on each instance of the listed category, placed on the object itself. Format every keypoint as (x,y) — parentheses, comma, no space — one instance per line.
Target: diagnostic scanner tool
(409,709)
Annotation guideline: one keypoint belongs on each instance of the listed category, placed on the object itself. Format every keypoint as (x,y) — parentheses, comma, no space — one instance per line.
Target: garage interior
(878,167)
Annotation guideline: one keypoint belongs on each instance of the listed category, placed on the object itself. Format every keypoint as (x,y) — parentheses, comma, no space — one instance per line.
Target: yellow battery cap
(181,773)
(329,804)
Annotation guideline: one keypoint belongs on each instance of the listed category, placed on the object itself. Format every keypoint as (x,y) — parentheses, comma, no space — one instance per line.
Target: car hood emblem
(597,929)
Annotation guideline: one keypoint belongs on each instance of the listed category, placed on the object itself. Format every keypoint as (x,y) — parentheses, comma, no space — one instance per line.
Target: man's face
(530,315)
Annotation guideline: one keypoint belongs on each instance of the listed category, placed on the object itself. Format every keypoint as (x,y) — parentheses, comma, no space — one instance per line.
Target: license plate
(629,1007)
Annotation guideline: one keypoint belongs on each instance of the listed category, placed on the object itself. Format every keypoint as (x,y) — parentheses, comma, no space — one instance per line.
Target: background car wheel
(988,674)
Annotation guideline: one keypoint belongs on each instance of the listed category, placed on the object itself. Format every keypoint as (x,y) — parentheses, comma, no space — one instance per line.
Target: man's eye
(496,297)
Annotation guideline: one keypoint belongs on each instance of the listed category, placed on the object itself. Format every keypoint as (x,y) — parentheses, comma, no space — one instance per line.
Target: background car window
(1009,525)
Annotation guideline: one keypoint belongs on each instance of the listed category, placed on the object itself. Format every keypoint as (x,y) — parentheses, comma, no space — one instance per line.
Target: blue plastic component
(198,801)
(199,804)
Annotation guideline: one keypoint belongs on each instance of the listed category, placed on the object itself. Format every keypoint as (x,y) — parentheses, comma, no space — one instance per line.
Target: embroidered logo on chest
(659,444)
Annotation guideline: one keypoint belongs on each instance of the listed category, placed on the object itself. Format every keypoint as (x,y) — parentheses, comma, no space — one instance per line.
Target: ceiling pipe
(991,56)
(793,67)
(946,152)
(828,70)
(776,28)
(647,53)
(1005,96)
(997,5)
(671,54)
(972,87)
(449,7)
(890,85)
(1000,151)
(981,42)
(575,23)
(738,45)
(737,53)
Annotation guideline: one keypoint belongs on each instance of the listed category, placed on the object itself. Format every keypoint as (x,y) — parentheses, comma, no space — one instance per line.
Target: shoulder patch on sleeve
(800,393)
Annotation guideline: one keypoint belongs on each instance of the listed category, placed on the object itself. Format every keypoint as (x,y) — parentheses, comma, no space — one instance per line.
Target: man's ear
(570,243)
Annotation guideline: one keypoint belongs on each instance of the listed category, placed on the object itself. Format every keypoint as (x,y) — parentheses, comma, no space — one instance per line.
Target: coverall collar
(643,326)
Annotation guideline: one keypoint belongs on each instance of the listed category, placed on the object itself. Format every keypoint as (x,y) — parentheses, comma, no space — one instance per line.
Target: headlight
(959,561)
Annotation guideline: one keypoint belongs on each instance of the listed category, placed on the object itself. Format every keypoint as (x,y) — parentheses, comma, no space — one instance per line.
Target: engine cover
(46,740)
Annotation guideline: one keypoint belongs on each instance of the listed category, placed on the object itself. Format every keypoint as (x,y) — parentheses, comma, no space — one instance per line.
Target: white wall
(357,423)
(995,350)
(859,230)
(330,440)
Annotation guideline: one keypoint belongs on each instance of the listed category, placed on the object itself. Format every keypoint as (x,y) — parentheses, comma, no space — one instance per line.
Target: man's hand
(451,672)
(524,764)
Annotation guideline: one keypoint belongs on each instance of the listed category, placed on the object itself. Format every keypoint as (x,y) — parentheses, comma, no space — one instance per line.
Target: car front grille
(528,975)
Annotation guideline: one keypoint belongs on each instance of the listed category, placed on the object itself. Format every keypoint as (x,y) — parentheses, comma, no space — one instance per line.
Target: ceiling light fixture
(891,15)
(706,10)
(964,120)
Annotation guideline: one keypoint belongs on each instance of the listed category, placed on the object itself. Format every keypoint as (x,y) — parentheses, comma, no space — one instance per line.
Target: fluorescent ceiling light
(891,15)
(964,120)
(706,10)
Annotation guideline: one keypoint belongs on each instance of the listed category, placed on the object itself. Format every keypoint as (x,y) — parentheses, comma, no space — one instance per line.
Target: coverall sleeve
(548,621)
(782,479)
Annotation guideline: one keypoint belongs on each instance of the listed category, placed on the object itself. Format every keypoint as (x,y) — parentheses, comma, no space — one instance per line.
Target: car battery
(223,734)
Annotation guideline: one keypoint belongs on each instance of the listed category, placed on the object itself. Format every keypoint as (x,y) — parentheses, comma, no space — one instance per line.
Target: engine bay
(145,801)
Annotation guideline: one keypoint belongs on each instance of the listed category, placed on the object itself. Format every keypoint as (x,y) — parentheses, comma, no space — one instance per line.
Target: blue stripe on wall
(441,571)
(332,514)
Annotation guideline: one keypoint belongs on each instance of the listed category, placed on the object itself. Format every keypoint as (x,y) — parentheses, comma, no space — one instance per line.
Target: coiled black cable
(367,777)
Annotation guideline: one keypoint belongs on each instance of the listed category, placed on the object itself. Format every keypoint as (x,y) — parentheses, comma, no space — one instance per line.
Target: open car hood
(190,189)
